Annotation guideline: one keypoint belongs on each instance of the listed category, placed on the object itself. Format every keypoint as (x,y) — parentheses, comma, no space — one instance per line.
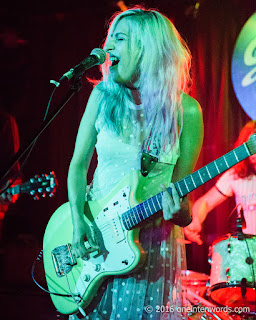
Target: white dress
(154,288)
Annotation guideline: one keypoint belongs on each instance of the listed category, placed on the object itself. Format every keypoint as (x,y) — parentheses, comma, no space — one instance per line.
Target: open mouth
(114,61)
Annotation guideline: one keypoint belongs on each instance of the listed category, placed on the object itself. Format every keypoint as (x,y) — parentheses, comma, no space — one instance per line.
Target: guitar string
(128,214)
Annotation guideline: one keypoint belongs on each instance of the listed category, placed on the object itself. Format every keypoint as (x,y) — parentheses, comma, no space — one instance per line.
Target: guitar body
(121,252)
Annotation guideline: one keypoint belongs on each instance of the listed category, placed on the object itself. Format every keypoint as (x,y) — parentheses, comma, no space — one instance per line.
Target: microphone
(96,57)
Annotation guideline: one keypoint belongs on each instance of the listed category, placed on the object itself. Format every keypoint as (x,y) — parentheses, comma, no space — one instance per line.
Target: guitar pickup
(63,259)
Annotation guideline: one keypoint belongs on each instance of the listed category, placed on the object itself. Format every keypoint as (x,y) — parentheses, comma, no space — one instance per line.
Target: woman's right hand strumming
(83,239)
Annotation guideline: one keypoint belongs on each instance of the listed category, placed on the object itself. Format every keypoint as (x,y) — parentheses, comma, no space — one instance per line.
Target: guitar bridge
(63,259)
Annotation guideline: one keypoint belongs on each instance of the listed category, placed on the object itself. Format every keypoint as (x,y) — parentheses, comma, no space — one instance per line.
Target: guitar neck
(146,209)
(211,170)
(37,186)
(14,190)
(20,188)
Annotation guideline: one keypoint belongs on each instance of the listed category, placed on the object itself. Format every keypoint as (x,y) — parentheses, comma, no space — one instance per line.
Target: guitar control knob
(86,277)
(249,260)
(97,267)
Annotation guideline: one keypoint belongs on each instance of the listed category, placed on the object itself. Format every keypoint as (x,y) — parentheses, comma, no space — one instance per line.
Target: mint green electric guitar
(114,221)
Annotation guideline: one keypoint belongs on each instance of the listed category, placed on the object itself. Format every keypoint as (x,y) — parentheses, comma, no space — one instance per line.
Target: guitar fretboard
(149,207)
(206,173)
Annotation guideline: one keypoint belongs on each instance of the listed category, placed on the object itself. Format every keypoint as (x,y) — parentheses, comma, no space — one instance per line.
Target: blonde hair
(163,74)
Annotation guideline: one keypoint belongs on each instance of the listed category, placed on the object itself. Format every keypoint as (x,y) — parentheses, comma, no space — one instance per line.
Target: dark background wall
(40,41)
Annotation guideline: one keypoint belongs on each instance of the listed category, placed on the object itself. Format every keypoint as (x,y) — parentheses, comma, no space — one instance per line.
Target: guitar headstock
(40,186)
(251,144)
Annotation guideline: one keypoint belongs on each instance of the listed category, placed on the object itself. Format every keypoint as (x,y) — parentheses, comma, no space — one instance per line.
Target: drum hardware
(203,316)
(240,223)
(194,307)
(210,255)
(243,287)
(209,309)
(233,265)
(228,273)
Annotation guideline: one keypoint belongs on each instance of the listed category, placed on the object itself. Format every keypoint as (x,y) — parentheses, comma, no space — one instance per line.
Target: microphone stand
(74,88)
(239,224)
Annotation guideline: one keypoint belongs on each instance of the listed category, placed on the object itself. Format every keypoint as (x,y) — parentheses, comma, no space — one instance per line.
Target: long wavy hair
(244,168)
(163,67)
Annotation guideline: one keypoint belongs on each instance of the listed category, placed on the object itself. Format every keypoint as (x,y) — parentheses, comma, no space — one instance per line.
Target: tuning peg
(43,195)
(36,176)
(36,198)
(32,180)
(32,192)
(51,195)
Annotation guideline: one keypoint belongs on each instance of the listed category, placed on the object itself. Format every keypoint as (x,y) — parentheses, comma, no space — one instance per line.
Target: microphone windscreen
(100,54)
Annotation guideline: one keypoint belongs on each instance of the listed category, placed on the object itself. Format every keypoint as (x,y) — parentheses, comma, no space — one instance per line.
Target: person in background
(139,114)
(240,182)
(9,144)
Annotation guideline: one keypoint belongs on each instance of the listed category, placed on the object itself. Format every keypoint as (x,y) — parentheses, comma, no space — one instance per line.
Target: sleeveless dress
(154,290)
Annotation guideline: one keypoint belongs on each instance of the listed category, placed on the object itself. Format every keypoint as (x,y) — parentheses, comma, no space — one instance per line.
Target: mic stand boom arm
(74,88)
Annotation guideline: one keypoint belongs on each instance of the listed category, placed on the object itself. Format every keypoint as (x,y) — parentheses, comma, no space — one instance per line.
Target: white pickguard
(117,254)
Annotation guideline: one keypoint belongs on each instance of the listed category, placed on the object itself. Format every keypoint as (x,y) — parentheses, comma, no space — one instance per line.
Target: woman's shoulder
(95,98)
(189,104)
(192,111)
(97,90)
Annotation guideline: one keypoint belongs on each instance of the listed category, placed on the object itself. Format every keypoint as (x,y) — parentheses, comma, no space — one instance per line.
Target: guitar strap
(150,153)
(147,163)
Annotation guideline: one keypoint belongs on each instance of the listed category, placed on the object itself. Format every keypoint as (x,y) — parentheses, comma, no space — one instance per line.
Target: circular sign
(243,68)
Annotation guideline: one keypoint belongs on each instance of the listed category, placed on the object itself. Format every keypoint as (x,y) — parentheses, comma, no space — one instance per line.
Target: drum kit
(229,291)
